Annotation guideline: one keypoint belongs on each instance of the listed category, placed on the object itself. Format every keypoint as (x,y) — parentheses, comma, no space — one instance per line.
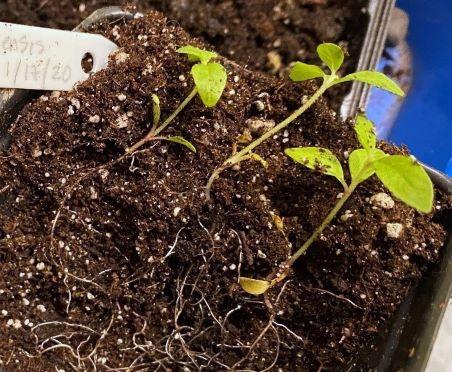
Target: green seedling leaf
(361,163)
(197,55)
(374,78)
(365,131)
(156,109)
(407,180)
(302,72)
(254,286)
(182,141)
(319,159)
(210,80)
(332,55)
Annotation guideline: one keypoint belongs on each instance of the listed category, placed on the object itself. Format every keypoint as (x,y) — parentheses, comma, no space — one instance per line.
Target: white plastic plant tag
(46,59)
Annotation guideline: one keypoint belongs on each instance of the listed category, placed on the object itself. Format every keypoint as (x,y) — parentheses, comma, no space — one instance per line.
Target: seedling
(333,57)
(401,175)
(210,80)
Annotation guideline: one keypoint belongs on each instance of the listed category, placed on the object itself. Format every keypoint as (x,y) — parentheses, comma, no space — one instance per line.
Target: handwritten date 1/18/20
(37,71)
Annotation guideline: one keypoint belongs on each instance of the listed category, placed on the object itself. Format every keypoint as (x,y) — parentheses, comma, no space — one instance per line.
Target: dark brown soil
(265,35)
(115,265)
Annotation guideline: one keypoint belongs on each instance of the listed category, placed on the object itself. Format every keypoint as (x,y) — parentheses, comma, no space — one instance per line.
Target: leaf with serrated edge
(182,141)
(196,54)
(374,78)
(319,159)
(156,109)
(254,286)
(365,132)
(357,160)
(332,55)
(302,72)
(407,180)
(210,80)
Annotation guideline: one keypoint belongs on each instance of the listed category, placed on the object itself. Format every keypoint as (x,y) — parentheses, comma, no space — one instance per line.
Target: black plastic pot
(407,341)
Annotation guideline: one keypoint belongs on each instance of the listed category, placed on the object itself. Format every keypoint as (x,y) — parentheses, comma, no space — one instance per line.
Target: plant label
(46,59)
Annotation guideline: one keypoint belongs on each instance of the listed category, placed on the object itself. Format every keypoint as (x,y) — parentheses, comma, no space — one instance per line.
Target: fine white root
(255,343)
(339,297)
(61,342)
(69,294)
(172,247)
(239,267)
(299,338)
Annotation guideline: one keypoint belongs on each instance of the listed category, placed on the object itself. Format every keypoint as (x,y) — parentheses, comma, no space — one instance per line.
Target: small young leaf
(278,221)
(254,286)
(361,158)
(319,159)
(182,141)
(365,131)
(407,180)
(302,71)
(332,55)
(156,109)
(197,55)
(210,80)
(374,78)
(260,159)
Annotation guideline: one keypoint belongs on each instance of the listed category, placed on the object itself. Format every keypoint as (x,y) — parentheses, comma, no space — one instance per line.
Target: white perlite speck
(394,230)
(148,70)
(76,103)
(41,308)
(121,57)
(346,216)
(93,193)
(382,200)
(121,97)
(122,121)
(94,119)
(259,126)
(40,266)
(176,211)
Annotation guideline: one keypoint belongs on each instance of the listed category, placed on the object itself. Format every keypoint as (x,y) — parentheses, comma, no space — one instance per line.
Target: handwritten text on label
(39,58)
(22,45)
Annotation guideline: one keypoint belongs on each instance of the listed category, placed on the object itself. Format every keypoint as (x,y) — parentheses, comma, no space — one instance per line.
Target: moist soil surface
(264,35)
(122,265)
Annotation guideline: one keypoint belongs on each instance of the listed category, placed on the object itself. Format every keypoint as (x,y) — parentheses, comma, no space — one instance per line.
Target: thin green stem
(154,132)
(176,112)
(213,177)
(236,158)
(242,155)
(348,192)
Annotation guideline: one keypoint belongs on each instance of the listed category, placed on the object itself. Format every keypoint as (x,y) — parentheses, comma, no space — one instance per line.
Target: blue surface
(425,121)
